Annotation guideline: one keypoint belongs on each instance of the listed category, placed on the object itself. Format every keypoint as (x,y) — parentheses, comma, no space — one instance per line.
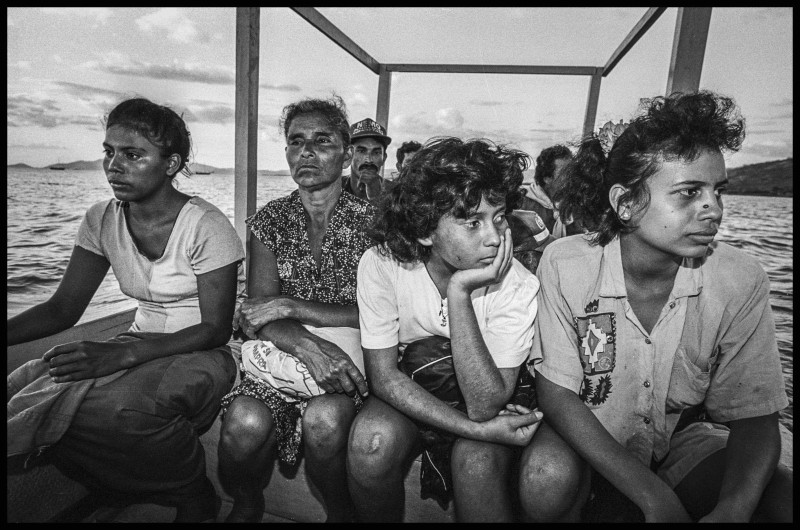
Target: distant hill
(772,179)
(20,166)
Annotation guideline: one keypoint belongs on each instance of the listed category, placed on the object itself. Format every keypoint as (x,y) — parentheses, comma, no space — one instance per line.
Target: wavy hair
(410,146)
(447,176)
(677,127)
(333,110)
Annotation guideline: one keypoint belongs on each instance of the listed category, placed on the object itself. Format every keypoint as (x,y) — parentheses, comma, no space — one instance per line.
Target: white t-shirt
(202,240)
(398,303)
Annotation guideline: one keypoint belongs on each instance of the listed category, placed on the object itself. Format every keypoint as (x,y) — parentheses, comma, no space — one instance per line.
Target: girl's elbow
(218,335)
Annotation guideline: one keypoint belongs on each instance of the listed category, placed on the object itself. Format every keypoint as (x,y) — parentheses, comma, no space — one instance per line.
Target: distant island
(97,165)
(771,179)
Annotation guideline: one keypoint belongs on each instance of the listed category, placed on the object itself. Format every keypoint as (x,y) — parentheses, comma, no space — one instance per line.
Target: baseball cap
(369,128)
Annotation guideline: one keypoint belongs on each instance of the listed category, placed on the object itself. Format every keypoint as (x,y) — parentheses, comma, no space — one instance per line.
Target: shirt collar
(688,281)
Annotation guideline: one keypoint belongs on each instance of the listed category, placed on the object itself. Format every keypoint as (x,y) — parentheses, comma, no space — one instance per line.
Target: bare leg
(481,481)
(246,452)
(326,425)
(554,481)
(382,443)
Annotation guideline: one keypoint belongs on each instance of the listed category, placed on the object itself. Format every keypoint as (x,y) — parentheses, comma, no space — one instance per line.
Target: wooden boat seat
(44,494)
(287,498)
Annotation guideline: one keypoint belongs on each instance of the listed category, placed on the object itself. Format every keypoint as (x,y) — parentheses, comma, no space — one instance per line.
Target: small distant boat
(58,167)
(203,172)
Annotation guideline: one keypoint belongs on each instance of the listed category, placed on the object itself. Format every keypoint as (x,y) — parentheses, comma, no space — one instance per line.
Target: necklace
(443,313)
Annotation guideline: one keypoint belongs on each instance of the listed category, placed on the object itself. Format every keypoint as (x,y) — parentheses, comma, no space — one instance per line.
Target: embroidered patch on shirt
(597,342)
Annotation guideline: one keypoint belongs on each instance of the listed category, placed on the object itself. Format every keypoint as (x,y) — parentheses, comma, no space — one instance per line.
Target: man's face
(551,181)
(368,158)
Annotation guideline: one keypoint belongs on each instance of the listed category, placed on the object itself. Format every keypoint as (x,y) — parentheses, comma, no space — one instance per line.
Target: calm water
(45,208)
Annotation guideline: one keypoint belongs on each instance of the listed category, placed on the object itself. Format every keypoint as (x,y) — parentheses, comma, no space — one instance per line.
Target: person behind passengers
(302,271)
(149,392)
(443,269)
(656,357)
(369,155)
(406,152)
(539,194)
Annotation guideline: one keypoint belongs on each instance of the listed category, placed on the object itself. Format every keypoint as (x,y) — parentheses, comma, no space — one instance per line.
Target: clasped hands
(332,369)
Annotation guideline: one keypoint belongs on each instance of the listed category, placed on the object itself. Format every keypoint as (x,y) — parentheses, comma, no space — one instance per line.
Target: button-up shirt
(713,344)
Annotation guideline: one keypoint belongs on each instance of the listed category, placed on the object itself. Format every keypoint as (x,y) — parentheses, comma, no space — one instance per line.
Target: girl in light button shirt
(657,367)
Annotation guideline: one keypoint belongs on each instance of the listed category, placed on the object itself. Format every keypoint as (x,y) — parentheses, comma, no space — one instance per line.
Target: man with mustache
(369,142)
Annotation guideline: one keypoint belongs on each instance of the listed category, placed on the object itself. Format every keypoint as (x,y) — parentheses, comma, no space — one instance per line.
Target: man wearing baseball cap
(369,154)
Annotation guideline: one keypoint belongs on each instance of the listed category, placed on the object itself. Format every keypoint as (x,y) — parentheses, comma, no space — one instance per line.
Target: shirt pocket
(690,379)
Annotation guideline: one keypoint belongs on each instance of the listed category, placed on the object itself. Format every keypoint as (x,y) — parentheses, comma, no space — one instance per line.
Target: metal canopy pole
(688,49)
(384,93)
(246,118)
(591,102)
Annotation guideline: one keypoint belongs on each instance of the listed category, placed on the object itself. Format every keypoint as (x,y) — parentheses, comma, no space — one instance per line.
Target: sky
(68,67)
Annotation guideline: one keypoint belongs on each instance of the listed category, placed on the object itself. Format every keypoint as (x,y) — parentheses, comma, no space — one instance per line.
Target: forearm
(399,391)
(203,336)
(289,336)
(320,314)
(480,381)
(751,457)
(40,321)
(580,428)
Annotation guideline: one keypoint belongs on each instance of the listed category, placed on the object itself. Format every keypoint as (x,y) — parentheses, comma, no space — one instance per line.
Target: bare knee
(553,479)
(473,460)
(246,427)
(372,452)
(326,423)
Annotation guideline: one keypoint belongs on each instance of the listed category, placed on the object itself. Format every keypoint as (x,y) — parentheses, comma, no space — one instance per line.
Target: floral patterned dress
(281,226)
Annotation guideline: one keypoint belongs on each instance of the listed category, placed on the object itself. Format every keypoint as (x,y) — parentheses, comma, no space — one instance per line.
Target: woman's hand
(470,279)
(255,313)
(80,360)
(332,369)
(515,425)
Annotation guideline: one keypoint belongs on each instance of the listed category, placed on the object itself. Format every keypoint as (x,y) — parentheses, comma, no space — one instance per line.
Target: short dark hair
(448,175)
(677,127)
(546,162)
(159,124)
(332,109)
(410,146)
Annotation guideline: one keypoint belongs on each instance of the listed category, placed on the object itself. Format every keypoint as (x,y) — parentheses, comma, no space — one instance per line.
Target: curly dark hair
(408,147)
(159,124)
(332,109)
(546,162)
(447,176)
(676,127)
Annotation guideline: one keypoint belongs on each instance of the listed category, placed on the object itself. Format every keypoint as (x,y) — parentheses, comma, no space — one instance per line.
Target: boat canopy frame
(685,68)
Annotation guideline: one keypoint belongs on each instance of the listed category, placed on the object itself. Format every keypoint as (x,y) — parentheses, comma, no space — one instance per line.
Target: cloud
(770,150)
(177,25)
(99,14)
(449,118)
(189,72)
(280,88)
(45,147)
(24,111)
(21,64)
(487,103)
(210,112)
